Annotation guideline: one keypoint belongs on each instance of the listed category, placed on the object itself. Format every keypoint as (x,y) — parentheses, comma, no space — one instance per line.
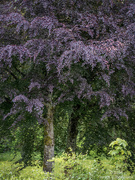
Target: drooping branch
(12,74)
(19,71)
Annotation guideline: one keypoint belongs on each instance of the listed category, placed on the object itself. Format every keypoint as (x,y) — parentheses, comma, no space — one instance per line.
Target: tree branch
(19,71)
(11,74)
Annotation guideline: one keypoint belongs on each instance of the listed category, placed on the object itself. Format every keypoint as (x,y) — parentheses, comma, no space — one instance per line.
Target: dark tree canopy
(67,48)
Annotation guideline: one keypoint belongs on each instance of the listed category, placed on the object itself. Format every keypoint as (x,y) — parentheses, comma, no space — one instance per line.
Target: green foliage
(120,155)
(68,166)
(9,156)
(61,120)
(119,147)
(71,166)
(82,167)
(9,171)
(93,134)
(28,139)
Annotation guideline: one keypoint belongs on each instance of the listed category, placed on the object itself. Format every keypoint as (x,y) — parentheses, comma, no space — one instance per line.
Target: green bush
(71,166)
(119,154)
(9,171)
(75,166)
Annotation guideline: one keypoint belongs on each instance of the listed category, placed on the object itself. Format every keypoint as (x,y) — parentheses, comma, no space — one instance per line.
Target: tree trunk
(73,131)
(73,128)
(48,141)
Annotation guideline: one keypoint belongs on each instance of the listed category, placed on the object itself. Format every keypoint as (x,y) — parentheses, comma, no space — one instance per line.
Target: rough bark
(48,141)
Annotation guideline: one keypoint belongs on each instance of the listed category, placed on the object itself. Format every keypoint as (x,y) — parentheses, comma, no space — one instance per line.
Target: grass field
(77,168)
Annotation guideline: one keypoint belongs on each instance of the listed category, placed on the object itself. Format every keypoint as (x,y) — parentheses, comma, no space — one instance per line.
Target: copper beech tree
(53,51)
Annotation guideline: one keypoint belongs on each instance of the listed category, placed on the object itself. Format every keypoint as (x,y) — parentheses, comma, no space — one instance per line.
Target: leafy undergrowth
(82,168)
(66,167)
(9,171)
(75,167)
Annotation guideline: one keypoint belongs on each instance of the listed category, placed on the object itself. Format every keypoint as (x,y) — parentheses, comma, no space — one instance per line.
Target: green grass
(66,167)
(9,156)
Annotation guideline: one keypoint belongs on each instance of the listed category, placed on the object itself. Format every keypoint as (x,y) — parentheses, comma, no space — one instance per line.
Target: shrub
(120,156)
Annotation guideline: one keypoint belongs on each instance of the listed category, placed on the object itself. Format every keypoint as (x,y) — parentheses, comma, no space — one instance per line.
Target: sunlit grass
(10,156)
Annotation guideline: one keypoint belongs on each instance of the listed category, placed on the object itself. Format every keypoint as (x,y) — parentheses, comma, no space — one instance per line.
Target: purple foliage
(30,103)
(33,85)
(67,49)
(42,23)
(20,98)
(116,112)
(12,50)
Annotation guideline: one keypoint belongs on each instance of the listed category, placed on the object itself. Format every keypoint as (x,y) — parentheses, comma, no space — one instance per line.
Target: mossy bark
(48,141)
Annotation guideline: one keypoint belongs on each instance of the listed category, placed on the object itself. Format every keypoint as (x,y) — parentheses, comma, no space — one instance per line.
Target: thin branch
(11,74)
(19,71)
